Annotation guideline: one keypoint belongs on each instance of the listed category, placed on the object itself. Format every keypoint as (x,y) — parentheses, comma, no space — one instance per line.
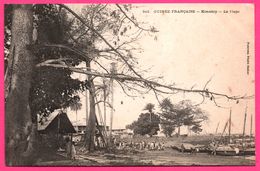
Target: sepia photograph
(139,84)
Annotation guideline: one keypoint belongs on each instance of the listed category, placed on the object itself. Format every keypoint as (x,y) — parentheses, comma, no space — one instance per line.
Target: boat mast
(229,128)
(217,129)
(224,130)
(244,128)
(251,126)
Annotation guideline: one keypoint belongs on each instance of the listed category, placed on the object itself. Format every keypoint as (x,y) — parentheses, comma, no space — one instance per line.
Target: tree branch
(148,83)
(71,49)
(99,35)
(136,24)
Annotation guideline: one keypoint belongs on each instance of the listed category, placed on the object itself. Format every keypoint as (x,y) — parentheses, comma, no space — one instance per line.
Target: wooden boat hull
(247,152)
(227,153)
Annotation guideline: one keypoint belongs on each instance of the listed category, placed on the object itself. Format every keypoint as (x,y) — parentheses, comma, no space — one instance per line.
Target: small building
(81,128)
(54,129)
(56,122)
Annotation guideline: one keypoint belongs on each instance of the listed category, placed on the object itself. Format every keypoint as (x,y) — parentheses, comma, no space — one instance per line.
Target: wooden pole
(229,128)
(105,111)
(102,131)
(71,138)
(113,70)
(77,126)
(58,131)
(86,94)
(251,127)
(244,128)
(217,129)
(112,111)
(87,101)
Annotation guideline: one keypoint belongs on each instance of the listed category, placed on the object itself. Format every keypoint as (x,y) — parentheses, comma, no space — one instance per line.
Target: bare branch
(136,24)
(203,99)
(148,83)
(71,49)
(122,87)
(99,35)
(207,83)
(214,100)
(133,77)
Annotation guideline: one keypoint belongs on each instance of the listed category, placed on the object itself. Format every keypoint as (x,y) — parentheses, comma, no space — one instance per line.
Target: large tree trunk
(19,130)
(91,127)
(92,119)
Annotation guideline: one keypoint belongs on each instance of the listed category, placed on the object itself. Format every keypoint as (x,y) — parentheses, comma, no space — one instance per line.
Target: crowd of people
(142,145)
(120,145)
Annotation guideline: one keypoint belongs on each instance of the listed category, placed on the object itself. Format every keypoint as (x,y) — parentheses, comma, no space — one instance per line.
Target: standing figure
(68,147)
(73,151)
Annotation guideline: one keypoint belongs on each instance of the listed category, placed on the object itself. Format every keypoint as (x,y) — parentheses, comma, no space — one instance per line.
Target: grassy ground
(167,157)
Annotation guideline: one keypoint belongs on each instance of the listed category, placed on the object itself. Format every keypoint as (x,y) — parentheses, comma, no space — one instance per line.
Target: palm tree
(150,108)
(75,106)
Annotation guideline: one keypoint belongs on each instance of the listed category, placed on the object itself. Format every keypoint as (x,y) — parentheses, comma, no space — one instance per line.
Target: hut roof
(56,122)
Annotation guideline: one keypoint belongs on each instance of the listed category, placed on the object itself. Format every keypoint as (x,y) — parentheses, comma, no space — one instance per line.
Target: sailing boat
(247,148)
(227,149)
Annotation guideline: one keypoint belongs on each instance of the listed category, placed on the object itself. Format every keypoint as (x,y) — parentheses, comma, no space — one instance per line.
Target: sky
(190,49)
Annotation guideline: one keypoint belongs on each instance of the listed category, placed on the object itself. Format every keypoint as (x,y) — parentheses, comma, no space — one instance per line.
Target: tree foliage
(182,114)
(75,104)
(149,107)
(166,116)
(52,88)
(143,126)
(147,123)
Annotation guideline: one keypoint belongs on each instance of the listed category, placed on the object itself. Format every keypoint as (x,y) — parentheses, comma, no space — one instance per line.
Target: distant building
(122,133)
(81,128)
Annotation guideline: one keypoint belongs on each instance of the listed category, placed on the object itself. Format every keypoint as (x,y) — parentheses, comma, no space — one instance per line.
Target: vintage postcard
(140,84)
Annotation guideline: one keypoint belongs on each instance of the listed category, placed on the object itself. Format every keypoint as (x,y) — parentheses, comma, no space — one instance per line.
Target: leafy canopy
(147,123)
(183,113)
